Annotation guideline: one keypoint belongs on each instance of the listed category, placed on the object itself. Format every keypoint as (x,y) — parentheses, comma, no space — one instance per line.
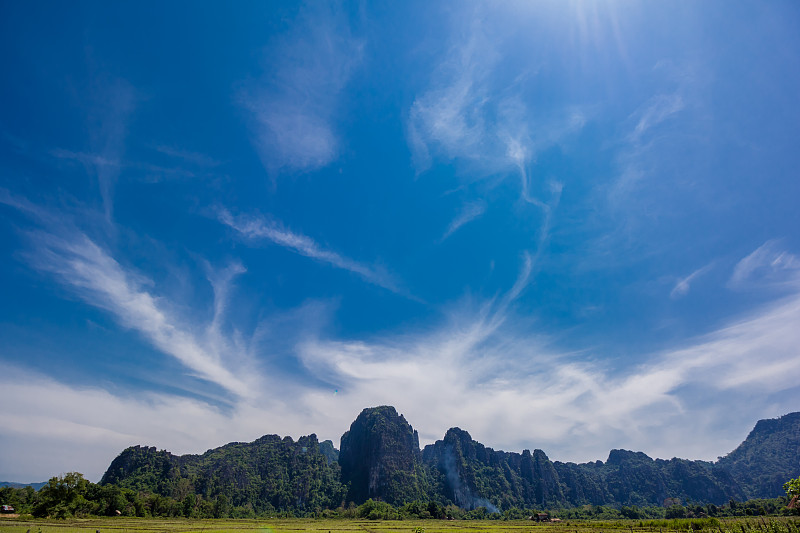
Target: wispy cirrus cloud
(483,369)
(497,380)
(655,111)
(256,228)
(651,132)
(468,213)
(148,172)
(634,158)
(88,270)
(82,265)
(108,103)
(474,114)
(683,285)
(87,159)
(766,265)
(194,158)
(294,104)
(113,101)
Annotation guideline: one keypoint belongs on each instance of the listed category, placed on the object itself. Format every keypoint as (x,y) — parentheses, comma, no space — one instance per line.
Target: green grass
(148,525)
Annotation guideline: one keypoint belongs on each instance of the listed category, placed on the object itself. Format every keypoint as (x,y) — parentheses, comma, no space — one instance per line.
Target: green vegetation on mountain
(478,476)
(72,496)
(380,460)
(268,474)
(767,458)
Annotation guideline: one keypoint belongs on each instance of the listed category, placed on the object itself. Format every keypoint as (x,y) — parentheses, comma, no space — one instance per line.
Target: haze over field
(561,225)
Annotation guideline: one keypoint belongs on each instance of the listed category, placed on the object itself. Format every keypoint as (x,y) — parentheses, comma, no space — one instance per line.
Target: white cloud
(483,371)
(474,115)
(88,270)
(512,392)
(636,158)
(294,106)
(258,228)
(768,264)
(94,160)
(62,428)
(683,285)
(653,112)
(113,100)
(468,213)
(460,118)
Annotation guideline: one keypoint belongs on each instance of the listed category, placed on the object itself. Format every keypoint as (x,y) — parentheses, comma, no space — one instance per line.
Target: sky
(560,225)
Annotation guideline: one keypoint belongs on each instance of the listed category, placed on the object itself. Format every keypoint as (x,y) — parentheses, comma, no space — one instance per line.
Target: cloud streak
(255,228)
(89,271)
(194,158)
(640,146)
(113,102)
(654,112)
(468,213)
(766,265)
(683,285)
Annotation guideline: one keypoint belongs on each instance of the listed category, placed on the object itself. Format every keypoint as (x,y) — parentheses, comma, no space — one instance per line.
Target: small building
(6,509)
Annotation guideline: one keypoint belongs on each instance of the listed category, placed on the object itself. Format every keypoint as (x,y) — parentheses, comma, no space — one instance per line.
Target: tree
(189,503)
(221,507)
(675,511)
(792,488)
(64,496)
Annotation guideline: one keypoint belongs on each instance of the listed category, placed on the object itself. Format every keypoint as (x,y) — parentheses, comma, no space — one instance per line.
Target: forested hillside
(380,459)
(478,476)
(767,458)
(269,473)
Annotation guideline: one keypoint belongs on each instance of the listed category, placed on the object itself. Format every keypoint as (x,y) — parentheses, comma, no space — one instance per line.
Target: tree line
(71,495)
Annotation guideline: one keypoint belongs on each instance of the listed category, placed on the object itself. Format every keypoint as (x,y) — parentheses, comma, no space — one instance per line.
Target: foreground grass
(148,525)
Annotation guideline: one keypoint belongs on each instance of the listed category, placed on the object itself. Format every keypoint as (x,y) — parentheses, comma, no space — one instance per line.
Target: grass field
(133,525)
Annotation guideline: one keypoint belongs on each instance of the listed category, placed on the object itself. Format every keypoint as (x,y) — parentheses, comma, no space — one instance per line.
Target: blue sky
(570,226)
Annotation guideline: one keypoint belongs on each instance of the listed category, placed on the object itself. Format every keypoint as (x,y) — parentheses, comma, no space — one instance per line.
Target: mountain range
(380,458)
(18,485)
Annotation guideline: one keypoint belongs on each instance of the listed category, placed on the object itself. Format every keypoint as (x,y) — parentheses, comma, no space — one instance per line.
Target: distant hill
(14,484)
(380,459)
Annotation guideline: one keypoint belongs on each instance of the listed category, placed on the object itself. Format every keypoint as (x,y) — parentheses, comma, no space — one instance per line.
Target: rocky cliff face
(474,475)
(380,458)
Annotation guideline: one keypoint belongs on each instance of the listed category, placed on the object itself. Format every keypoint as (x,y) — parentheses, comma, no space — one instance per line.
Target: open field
(134,525)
